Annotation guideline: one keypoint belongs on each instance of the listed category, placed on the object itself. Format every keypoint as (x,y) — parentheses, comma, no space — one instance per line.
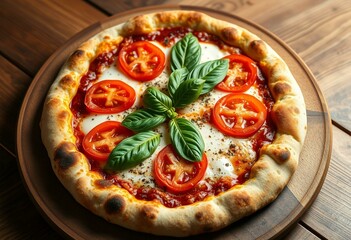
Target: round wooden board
(74,221)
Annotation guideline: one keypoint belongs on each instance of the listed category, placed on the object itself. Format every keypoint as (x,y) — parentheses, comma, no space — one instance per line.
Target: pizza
(174,123)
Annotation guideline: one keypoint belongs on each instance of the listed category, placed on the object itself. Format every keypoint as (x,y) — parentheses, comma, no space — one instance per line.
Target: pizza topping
(185,53)
(187,139)
(109,96)
(175,79)
(187,92)
(143,120)
(175,173)
(212,72)
(158,102)
(241,74)
(100,141)
(142,61)
(133,150)
(239,115)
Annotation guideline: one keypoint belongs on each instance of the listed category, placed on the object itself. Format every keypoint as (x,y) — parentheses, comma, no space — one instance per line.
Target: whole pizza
(174,123)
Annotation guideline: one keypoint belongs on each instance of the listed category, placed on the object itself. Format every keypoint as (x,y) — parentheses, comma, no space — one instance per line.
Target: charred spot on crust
(149,212)
(278,153)
(64,156)
(195,17)
(205,217)
(199,216)
(242,200)
(230,35)
(281,88)
(66,82)
(103,183)
(258,47)
(114,205)
(63,115)
(296,110)
(75,58)
(53,103)
(77,54)
(282,155)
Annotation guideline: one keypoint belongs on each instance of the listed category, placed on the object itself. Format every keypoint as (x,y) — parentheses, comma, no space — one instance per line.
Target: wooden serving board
(74,221)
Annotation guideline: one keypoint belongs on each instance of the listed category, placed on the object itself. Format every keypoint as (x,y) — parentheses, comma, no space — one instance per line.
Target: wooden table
(318,30)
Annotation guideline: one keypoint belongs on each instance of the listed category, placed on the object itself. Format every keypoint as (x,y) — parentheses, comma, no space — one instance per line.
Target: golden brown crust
(268,177)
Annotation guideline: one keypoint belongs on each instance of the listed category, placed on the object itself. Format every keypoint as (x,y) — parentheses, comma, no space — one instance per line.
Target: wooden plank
(19,219)
(30,31)
(330,214)
(14,83)
(111,7)
(298,232)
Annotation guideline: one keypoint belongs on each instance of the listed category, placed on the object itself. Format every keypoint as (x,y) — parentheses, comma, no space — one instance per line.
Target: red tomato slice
(175,173)
(103,138)
(239,115)
(109,96)
(241,74)
(142,61)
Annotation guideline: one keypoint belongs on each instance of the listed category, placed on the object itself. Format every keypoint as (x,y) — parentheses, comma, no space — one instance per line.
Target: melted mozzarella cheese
(217,146)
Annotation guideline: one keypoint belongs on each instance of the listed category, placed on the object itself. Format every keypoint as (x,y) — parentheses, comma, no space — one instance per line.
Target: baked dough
(269,175)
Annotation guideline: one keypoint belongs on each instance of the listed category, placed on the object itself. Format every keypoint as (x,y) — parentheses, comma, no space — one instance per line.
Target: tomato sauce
(206,187)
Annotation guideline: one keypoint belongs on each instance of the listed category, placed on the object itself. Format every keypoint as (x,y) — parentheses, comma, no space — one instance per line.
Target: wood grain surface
(318,30)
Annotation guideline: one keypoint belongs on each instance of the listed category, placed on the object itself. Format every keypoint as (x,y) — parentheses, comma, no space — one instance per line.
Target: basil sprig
(185,53)
(133,150)
(187,139)
(143,120)
(187,82)
(213,72)
(175,79)
(187,92)
(156,100)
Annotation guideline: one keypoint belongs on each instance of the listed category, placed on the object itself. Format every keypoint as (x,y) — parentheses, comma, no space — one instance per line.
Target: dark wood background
(318,30)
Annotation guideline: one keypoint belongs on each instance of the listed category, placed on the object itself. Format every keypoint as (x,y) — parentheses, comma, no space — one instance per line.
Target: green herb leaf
(132,151)
(212,71)
(156,100)
(187,92)
(143,120)
(175,79)
(186,53)
(186,139)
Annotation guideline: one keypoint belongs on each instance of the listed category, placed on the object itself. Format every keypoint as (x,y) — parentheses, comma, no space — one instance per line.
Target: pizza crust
(269,175)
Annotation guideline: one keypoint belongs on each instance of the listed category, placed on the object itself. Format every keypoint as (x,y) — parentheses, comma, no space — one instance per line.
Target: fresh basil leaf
(212,71)
(185,53)
(187,92)
(156,100)
(143,120)
(132,151)
(175,79)
(186,139)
